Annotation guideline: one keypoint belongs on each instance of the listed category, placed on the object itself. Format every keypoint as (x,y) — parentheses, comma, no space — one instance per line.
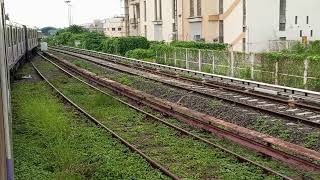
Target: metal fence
(293,73)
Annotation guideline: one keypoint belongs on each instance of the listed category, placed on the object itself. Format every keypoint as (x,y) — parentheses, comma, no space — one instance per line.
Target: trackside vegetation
(132,46)
(52,140)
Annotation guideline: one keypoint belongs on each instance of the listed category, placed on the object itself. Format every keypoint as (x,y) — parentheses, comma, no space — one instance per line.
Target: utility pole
(68,2)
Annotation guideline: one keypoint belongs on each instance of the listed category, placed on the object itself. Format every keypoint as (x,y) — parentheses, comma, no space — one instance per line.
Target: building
(153,19)
(114,27)
(96,25)
(247,25)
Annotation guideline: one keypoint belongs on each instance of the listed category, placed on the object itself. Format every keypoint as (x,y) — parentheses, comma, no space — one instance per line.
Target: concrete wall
(114,27)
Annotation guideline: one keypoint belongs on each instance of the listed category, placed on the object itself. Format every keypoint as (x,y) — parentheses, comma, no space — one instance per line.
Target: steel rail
(205,122)
(282,90)
(239,157)
(152,162)
(280,114)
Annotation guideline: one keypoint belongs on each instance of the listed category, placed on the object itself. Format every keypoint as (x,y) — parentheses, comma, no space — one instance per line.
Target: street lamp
(68,2)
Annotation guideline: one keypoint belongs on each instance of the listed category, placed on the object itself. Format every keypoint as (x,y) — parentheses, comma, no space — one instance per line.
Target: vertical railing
(236,65)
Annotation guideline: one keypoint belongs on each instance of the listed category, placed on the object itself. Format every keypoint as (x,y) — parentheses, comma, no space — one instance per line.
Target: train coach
(20,40)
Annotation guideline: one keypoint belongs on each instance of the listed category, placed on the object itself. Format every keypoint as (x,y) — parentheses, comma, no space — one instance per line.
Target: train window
(19,35)
(13,35)
(7,36)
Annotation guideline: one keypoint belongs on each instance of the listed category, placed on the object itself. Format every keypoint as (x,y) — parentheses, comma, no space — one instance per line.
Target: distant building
(96,25)
(114,27)
(247,25)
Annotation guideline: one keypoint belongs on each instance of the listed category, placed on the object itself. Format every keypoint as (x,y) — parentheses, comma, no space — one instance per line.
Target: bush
(140,54)
(122,45)
(200,45)
(92,41)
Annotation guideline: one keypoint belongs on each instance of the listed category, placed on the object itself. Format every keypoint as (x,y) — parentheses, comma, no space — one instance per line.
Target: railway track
(132,147)
(298,112)
(209,125)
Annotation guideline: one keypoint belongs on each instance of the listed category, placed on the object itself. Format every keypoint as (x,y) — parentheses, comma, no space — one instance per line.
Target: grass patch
(53,141)
(215,103)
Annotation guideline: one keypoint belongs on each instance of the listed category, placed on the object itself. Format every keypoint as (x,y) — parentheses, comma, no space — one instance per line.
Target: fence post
(232,63)
(165,58)
(305,73)
(175,57)
(199,60)
(276,74)
(213,63)
(187,64)
(252,60)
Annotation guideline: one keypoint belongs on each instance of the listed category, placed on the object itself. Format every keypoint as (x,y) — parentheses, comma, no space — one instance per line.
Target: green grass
(215,104)
(53,141)
(181,154)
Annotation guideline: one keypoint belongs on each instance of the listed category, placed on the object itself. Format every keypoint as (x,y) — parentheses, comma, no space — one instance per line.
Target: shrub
(199,45)
(92,41)
(140,54)
(121,45)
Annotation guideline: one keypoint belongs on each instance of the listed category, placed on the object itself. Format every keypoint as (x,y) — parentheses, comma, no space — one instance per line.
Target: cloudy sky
(43,13)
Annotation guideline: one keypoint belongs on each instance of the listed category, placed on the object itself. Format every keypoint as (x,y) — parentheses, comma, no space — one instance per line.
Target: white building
(153,19)
(247,25)
(254,25)
(96,25)
(114,27)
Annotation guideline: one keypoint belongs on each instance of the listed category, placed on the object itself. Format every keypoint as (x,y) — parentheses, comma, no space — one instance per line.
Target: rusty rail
(248,138)
(152,162)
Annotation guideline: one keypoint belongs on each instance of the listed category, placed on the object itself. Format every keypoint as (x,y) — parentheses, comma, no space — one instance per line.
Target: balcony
(195,19)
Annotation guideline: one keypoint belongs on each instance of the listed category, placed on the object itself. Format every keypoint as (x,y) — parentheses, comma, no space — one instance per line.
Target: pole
(68,2)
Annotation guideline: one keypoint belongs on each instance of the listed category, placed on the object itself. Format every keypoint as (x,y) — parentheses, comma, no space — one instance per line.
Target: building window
(300,33)
(113,29)
(282,17)
(145,31)
(282,27)
(119,29)
(283,38)
(145,10)
(221,32)
(296,20)
(307,19)
(311,33)
(220,6)
(243,44)
(155,9)
(198,7)
(160,9)
(191,8)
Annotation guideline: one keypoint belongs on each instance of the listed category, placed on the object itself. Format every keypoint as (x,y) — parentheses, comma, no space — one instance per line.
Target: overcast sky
(43,13)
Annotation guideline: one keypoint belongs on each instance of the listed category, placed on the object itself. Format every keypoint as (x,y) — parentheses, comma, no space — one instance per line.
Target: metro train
(20,40)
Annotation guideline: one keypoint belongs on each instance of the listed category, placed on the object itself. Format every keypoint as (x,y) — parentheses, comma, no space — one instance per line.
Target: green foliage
(140,54)
(199,45)
(121,45)
(92,41)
